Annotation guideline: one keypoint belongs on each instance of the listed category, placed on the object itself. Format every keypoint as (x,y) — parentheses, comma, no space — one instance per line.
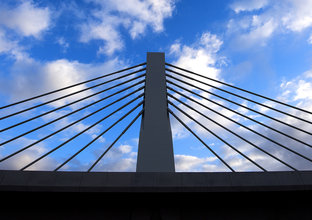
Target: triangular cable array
(194,91)
(117,99)
(125,85)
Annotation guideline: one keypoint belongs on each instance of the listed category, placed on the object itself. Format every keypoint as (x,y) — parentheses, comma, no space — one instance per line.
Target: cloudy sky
(261,45)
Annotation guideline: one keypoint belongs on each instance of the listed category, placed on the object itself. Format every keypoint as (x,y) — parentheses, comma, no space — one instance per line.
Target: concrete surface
(153,182)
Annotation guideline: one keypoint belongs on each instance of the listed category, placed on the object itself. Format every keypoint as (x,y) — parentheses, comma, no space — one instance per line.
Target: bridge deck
(153,182)
(151,196)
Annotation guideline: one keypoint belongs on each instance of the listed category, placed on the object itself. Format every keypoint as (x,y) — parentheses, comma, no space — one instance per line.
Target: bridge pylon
(155,152)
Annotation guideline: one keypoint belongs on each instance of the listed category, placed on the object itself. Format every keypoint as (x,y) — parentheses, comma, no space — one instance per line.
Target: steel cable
(67,87)
(244,90)
(67,126)
(70,94)
(77,110)
(239,96)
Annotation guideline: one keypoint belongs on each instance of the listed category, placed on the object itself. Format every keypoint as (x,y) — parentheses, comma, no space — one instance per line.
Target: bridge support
(155,152)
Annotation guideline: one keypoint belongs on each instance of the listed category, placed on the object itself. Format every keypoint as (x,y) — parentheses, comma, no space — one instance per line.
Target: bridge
(157,93)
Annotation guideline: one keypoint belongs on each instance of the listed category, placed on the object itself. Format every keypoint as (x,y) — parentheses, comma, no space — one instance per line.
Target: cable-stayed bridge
(157,94)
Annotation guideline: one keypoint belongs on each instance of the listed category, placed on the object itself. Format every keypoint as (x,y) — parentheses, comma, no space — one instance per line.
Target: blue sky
(260,45)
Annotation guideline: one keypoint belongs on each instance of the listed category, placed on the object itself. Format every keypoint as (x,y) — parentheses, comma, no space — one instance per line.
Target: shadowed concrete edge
(154,182)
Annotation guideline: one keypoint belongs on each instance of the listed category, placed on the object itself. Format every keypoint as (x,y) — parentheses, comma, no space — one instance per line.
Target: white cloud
(298,16)
(187,163)
(178,131)
(118,152)
(248,5)
(263,109)
(30,77)
(133,15)
(27,19)
(137,29)
(118,159)
(106,31)
(257,27)
(201,57)
(243,110)
(16,23)
(24,158)
(142,13)
(298,90)
(11,47)
(6,45)
(259,33)
(63,43)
